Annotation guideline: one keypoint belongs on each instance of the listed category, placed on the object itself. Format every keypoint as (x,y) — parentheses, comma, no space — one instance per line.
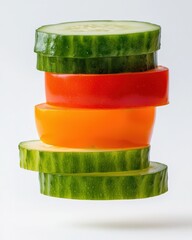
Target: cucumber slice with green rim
(38,156)
(92,39)
(134,63)
(137,184)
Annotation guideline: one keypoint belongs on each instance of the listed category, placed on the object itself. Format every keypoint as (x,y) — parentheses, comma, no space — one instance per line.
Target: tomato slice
(94,128)
(121,90)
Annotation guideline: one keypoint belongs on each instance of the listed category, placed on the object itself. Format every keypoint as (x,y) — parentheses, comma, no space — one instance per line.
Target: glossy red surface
(122,90)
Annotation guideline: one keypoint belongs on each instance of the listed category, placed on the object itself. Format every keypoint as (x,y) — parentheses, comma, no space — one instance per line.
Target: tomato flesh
(122,90)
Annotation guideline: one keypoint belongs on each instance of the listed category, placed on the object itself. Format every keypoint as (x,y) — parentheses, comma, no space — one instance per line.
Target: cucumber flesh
(38,156)
(136,184)
(98,28)
(91,39)
(134,63)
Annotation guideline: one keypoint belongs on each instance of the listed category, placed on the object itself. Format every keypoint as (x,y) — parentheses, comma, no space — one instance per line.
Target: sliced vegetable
(92,39)
(107,186)
(92,128)
(38,156)
(134,63)
(122,90)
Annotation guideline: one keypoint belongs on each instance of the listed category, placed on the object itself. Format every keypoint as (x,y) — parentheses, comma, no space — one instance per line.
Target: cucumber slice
(134,63)
(92,39)
(137,184)
(38,156)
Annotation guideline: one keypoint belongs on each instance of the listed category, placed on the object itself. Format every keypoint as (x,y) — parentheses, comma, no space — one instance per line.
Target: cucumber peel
(107,186)
(38,156)
(92,39)
(134,63)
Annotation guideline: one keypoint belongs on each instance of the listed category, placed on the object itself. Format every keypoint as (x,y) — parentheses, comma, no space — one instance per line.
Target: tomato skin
(122,90)
(94,128)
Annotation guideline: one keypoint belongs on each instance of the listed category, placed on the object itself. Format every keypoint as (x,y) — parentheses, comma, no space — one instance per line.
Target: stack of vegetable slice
(102,86)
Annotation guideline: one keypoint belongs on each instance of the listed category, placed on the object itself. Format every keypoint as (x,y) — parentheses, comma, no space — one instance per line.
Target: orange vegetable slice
(94,128)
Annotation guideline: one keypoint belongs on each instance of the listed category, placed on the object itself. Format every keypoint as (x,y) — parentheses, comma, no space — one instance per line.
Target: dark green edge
(89,187)
(96,45)
(134,63)
(54,162)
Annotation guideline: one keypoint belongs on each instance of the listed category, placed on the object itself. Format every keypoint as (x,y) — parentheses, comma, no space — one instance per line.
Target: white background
(24,213)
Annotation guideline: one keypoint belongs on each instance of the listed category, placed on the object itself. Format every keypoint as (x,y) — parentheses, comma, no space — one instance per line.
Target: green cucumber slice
(134,63)
(38,156)
(92,39)
(136,184)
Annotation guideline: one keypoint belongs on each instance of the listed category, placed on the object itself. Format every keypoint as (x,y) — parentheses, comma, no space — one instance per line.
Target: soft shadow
(136,224)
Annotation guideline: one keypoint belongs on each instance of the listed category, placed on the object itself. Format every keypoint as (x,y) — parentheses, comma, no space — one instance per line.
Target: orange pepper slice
(94,128)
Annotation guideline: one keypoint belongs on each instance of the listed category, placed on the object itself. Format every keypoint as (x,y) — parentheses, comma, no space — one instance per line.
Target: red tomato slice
(121,90)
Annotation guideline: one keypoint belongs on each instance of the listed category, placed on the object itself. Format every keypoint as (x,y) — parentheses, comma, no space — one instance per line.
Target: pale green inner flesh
(40,146)
(99,28)
(153,168)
